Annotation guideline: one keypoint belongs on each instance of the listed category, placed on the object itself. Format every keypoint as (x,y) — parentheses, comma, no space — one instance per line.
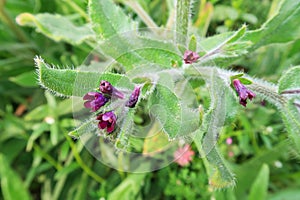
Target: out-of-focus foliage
(40,161)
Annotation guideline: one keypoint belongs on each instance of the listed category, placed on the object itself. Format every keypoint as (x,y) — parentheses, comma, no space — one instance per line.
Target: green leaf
(26,79)
(236,76)
(129,188)
(282,27)
(56,27)
(108,19)
(290,81)
(245,81)
(220,176)
(66,170)
(119,39)
(291,115)
(193,43)
(259,189)
(225,45)
(68,82)
(237,35)
(183,8)
(168,109)
(164,104)
(12,186)
(247,172)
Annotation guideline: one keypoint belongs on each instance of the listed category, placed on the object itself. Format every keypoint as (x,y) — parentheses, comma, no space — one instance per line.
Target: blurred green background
(38,160)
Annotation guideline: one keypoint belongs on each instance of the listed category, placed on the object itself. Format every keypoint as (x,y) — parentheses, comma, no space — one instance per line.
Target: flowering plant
(158,72)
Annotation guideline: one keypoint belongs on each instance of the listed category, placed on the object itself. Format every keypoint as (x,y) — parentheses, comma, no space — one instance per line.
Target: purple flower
(95,100)
(190,57)
(108,121)
(133,97)
(243,92)
(106,88)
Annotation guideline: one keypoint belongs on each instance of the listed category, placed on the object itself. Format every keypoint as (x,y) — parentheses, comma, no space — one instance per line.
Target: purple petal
(110,128)
(133,97)
(87,104)
(107,116)
(102,125)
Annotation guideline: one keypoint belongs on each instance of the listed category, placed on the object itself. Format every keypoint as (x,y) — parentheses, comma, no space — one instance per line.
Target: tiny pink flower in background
(190,57)
(229,141)
(243,92)
(183,155)
(230,154)
(106,88)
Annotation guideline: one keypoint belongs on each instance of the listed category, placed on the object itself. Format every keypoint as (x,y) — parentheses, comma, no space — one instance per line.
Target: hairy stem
(260,87)
(182,21)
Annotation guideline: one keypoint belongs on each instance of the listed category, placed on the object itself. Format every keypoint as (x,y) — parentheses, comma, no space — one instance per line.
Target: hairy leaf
(68,82)
(291,119)
(282,27)
(120,40)
(220,175)
(289,83)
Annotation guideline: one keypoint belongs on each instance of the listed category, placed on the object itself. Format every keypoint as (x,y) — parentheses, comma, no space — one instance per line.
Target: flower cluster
(96,100)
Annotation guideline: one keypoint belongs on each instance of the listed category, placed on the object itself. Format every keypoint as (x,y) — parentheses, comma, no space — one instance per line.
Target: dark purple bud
(108,121)
(106,88)
(243,92)
(190,57)
(133,97)
(95,100)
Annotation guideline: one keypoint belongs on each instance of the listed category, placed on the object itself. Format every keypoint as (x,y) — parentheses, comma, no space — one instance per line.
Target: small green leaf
(245,81)
(237,35)
(225,45)
(290,81)
(259,189)
(236,76)
(12,186)
(56,27)
(27,79)
(193,43)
